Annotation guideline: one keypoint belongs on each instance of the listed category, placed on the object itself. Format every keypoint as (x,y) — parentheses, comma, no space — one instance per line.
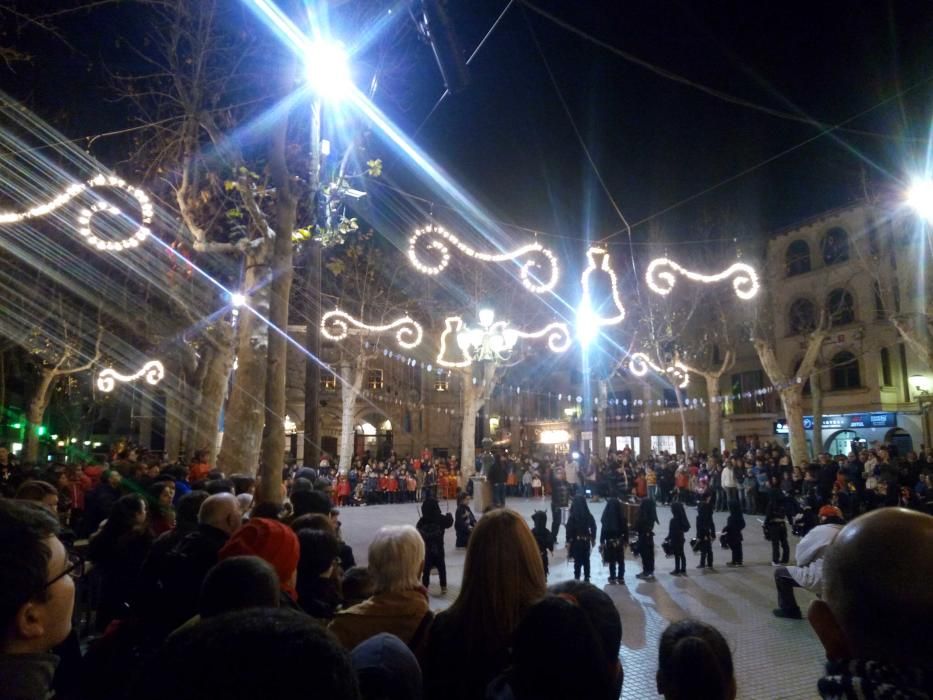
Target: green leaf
(229,185)
(234,214)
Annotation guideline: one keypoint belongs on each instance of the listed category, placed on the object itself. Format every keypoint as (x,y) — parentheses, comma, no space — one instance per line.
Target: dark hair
(156,488)
(24,556)
(266,509)
(694,662)
(601,611)
(302,484)
(120,524)
(314,521)
(242,483)
(186,512)
(35,490)
(238,583)
(319,550)
(357,585)
(219,486)
(310,502)
(231,647)
(537,675)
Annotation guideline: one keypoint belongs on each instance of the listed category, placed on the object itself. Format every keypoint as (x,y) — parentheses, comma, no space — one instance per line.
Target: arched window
(886,375)
(835,246)
(844,373)
(840,306)
(802,316)
(797,258)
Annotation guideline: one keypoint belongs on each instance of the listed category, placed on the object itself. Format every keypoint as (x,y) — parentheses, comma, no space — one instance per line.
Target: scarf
(870,680)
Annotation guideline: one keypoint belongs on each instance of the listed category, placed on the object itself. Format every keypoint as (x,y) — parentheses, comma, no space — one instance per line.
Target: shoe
(649,577)
(586,580)
(701,566)
(612,581)
(675,573)
(683,573)
(642,575)
(788,614)
(732,563)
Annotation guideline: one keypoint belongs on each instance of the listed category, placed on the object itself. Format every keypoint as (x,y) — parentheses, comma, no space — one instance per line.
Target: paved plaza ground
(773,658)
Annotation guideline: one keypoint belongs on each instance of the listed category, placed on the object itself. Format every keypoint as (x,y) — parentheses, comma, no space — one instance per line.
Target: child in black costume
(776,519)
(612,538)
(706,533)
(733,532)
(581,534)
(464,520)
(676,536)
(647,519)
(543,537)
(431,526)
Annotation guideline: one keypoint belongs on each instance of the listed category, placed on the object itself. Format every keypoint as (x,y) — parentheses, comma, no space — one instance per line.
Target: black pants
(617,569)
(581,563)
(680,560)
(785,590)
(555,521)
(646,549)
(779,544)
(736,548)
(706,553)
(432,563)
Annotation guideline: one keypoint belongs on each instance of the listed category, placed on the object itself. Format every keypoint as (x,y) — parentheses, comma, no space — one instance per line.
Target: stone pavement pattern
(774,658)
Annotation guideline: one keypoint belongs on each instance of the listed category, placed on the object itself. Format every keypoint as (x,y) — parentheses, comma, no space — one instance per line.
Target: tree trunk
(685,438)
(816,396)
(714,411)
(603,395)
(644,426)
(350,387)
(273,434)
(218,359)
(792,401)
(244,417)
(35,412)
(474,397)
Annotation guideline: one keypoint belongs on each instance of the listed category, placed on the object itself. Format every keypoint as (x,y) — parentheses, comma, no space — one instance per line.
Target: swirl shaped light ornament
(87,214)
(661,278)
(640,363)
(440,240)
(598,261)
(461,345)
(152,372)
(335,325)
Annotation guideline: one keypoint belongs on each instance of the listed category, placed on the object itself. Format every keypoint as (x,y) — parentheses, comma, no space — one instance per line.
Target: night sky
(656,142)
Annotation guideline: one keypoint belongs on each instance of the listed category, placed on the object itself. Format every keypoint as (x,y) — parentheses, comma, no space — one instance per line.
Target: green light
(16,426)
(41,430)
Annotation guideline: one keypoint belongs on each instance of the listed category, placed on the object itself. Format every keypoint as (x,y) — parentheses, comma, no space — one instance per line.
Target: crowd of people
(115,578)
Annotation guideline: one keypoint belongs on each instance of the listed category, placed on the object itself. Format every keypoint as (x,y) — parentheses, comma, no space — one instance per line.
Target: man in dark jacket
(184,568)
(560,498)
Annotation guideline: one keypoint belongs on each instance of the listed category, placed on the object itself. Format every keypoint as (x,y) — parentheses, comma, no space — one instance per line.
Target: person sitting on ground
(581,535)
(502,578)
(694,663)
(37,596)
(386,669)
(604,616)
(238,583)
(399,604)
(250,654)
(876,653)
(318,584)
(357,585)
(543,537)
(535,675)
(274,542)
(613,536)
(464,520)
(431,525)
(809,570)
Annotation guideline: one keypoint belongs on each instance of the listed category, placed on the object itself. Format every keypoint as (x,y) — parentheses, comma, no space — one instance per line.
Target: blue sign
(845,421)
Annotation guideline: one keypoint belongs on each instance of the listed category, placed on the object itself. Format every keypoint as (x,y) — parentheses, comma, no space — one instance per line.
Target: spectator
(161,496)
(386,669)
(199,469)
(873,653)
(272,541)
(357,585)
(502,578)
(809,570)
(431,525)
(41,493)
(694,663)
(118,551)
(399,605)
(36,599)
(464,520)
(99,500)
(581,673)
(238,583)
(250,654)
(318,586)
(604,616)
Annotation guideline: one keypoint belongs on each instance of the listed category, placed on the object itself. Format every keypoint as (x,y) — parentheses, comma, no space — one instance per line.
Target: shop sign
(845,421)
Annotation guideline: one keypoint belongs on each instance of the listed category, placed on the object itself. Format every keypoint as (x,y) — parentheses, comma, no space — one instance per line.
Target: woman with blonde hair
(502,577)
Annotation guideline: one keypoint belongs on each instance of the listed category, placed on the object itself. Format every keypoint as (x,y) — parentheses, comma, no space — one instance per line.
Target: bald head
(878,586)
(222,510)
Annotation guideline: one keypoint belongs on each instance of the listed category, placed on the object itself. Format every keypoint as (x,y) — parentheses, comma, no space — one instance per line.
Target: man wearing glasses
(37,595)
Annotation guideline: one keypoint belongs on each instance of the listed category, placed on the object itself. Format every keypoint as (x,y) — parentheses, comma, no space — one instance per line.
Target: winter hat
(830,512)
(386,668)
(270,540)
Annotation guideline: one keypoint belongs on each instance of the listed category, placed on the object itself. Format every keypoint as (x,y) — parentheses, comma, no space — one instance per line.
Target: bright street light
(237,299)
(587,325)
(920,197)
(327,67)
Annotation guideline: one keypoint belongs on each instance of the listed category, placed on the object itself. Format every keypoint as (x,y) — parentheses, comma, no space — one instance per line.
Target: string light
(661,281)
(453,325)
(558,341)
(640,363)
(606,267)
(443,250)
(153,372)
(335,325)
(493,340)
